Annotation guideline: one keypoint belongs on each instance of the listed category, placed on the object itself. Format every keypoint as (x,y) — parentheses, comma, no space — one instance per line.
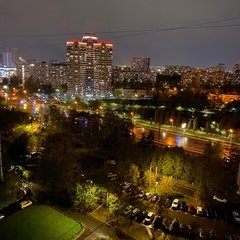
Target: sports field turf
(38,223)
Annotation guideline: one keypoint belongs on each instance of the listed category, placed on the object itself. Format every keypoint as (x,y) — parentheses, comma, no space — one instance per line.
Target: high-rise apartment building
(140,64)
(89,66)
(57,73)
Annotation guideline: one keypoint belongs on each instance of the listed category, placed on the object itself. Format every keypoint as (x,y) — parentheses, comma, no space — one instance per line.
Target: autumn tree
(134,174)
(165,186)
(86,196)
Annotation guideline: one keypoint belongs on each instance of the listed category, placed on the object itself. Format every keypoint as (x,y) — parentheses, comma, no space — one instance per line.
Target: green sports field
(38,223)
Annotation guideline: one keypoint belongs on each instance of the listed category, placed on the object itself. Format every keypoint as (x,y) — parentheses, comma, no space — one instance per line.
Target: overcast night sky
(170,32)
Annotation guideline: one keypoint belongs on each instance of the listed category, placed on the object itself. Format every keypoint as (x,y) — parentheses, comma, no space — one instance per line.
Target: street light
(183,130)
(132,115)
(171,120)
(76,104)
(231,133)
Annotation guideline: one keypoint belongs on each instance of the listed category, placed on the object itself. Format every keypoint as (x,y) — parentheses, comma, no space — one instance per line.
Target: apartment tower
(89,66)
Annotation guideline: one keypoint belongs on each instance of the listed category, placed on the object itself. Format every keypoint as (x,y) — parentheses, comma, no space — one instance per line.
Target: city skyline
(196,34)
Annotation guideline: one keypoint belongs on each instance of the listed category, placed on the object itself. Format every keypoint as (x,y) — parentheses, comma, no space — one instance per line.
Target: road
(170,137)
(175,139)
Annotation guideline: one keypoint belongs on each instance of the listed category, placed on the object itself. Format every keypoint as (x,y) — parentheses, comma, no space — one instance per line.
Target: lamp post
(183,130)
(76,104)
(150,174)
(231,133)
(132,115)
(171,120)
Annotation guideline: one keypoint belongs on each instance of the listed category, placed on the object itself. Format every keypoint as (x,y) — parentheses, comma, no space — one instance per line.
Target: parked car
(219,199)
(228,217)
(136,192)
(111,175)
(149,218)
(25,204)
(140,216)
(147,196)
(210,212)
(174,227)
(141,194)
(183,206)
(175,204)
(2,216)
(135,211)
(128,209)
(202,233)
(191,209)
(236,216)
(200,211)
(157,222)
(185,230)
(154,198)
(166,223)
(126,185)
(168,202)
(218,213)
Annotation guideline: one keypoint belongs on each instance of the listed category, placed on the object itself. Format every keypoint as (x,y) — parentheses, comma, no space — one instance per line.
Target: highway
(171,138)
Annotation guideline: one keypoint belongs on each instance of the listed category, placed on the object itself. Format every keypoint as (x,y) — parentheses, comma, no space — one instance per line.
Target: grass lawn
(38,222)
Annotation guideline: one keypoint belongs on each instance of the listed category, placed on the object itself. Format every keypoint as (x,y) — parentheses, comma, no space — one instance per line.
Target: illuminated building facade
(89,66)
(140,64)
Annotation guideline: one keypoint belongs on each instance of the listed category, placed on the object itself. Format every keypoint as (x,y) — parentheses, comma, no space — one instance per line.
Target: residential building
(140,64)
(57,73)
(89,66)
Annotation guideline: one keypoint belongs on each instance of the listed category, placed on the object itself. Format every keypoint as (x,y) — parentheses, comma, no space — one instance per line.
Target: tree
(195,124)
(12,188)
(86,196)
(113,205)
(134,174)
(54,119)
(31,85)
(56,169)
(165,185)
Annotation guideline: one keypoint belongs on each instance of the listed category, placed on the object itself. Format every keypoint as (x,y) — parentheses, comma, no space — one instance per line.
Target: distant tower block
(140,64)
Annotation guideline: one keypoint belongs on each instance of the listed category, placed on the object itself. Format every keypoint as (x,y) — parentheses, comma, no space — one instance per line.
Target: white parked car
(141,194)
(236,216)
(219,199)
(128,209)
(147,196)
(149,218)
(175,204)
(2,216)
(135,211)
(199,211)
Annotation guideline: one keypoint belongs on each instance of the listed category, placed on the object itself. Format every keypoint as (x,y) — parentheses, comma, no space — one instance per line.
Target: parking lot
(173,216)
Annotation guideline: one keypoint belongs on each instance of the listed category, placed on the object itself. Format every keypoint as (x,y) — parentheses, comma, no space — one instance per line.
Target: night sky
(170,32)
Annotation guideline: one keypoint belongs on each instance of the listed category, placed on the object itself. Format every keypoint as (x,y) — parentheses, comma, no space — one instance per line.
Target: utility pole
(1,166)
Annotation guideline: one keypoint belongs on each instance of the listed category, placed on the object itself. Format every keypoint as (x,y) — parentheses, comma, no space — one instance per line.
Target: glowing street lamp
(132,114)
(184,125)
(231,133)
(171,120)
